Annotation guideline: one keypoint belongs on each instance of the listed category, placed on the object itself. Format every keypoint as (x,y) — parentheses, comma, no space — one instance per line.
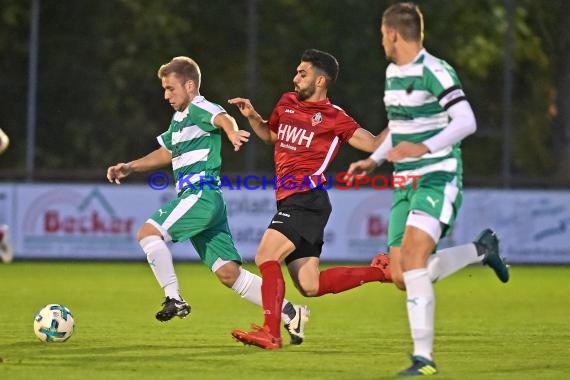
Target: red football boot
(260,337)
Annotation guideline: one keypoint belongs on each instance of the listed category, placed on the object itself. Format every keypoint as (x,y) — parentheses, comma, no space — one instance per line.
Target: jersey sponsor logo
(294,135)
(289,110)
(161,212)
(284,214)
(276,221)
(287,146)
(316,119)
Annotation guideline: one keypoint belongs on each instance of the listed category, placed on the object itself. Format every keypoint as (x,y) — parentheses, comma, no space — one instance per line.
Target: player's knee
(228,274)
(227,279)
(140,234)
(308,289)
(147,230)
(406,253)
(410,260)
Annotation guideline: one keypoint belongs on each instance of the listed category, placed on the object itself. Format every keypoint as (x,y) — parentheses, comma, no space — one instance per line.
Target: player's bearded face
(305,81)
(306,92)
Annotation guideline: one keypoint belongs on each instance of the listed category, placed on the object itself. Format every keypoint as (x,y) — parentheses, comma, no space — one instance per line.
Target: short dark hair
(185,69)
(407,19)
(323,61)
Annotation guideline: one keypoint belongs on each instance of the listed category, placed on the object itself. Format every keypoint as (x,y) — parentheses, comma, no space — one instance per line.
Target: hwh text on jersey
(294,135)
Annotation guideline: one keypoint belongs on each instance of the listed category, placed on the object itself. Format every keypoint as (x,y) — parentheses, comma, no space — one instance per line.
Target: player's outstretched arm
(157,159)
(380,138)
(362,167)
(364,141)
(117,172)
(260,126)
(236,136)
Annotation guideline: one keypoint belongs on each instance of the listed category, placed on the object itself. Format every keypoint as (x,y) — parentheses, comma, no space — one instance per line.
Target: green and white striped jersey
(417,96)
(195,144)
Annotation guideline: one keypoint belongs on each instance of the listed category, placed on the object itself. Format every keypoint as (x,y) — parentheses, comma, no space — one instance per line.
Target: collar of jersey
(179,116)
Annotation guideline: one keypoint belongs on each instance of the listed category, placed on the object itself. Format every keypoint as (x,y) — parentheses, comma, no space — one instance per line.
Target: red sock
(272,294)
(339,279)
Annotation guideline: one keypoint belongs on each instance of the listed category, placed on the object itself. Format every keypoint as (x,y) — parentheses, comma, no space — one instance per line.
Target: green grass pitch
(484,329)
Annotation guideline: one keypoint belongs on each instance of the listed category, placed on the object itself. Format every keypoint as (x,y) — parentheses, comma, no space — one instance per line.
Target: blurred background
(79,92)
(98,100)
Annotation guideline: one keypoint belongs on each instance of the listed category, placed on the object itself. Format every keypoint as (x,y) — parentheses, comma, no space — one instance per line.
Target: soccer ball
(54,324)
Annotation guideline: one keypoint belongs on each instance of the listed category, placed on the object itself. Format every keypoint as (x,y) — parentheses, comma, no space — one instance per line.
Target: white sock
(448,261)
(248,286)
(160,260)
(421,309)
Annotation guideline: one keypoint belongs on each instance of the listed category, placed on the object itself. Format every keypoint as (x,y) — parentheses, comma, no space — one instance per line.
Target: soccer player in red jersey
(307,131)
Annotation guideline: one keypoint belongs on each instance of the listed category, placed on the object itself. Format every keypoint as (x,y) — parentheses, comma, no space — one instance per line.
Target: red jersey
(309,135)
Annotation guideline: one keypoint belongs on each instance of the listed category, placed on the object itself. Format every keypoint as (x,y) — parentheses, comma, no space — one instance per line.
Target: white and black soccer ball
(54,323)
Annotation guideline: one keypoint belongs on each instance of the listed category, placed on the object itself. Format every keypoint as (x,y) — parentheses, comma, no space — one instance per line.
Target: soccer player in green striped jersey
(428,116)
(192,146)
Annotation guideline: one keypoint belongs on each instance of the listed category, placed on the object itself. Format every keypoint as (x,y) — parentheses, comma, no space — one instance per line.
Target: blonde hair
(185,69)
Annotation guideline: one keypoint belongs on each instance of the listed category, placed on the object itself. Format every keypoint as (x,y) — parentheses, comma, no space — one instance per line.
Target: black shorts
(302,218)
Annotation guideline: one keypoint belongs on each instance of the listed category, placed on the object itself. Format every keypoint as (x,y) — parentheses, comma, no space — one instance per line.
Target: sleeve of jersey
(273,122)
(165,140)
(345,126)
(443,83)
(462,124)
(204,113)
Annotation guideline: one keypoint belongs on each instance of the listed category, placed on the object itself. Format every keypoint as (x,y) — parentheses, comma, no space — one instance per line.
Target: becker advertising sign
(72,222)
